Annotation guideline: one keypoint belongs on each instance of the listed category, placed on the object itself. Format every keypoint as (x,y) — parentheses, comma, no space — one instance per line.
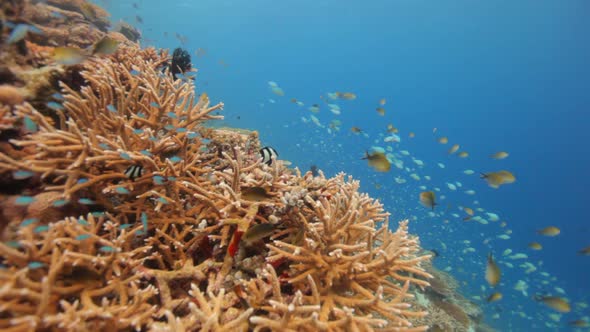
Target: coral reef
(448,309)
(86,245)
(120,209)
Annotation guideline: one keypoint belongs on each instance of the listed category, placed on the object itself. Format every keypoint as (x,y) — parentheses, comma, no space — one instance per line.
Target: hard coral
(10,95)
(163,249)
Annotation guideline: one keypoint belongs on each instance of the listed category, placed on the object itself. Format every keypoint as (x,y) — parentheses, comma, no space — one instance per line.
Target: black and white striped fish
(268,154)
(134,171)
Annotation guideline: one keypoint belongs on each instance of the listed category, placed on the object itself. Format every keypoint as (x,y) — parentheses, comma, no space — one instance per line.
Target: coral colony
(122,210)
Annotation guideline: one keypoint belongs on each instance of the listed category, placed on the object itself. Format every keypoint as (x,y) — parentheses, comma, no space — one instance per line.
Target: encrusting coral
(88,244)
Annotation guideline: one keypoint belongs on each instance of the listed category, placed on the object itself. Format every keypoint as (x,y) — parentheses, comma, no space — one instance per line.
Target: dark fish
(134,171)
(257,232)
(314,170)
(255,194)
(139,19)
(268,154)
(434,253)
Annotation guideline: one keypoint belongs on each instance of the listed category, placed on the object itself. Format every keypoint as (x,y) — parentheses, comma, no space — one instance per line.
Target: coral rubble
(121,210)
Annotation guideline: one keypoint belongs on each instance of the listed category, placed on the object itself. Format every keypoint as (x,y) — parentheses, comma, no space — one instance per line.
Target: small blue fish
(83,222)
(172,115)
(86,201)
(41,228)
(82,180)
(111,108)
(57,15)
(125,156)
(134,72)
(13,244)
(21,175)
(18,33)
(192,135)
(172,178)
(60,202)
(138,131)
(97,214)
(55,106)
(175,159)
(35,265)
(30,125)
(35,30)
(162,200)
(181,130)
(158,180)
(24,200)
(121,190)
(125,226)
(57,96)
(141,115)
(144,221)
(28,222)
(82,237)
(154,104)
(107,249)
(169,127)
(145,153)
(153,139)
(104,146)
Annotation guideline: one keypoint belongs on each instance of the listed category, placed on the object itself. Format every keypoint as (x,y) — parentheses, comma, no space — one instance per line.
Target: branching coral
(352,266)
(163,249)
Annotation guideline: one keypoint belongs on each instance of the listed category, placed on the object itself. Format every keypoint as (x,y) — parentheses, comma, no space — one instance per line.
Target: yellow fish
(412,135)
(443,140)
(392,129)
(381,111)
(463,154)
(427,198)
(535,246)
(549,231)
(555,302)
(356,130)
(493,272)
(69,56)
(496,179)
(496,296)
(382,102)
(257,232)
(106,46)
(500,155)
(585,251)
(454,149)
(378,161)
(255,194)
(579,323)
(346,95)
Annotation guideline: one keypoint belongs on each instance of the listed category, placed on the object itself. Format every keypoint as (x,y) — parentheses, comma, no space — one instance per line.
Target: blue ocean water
(489,75)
